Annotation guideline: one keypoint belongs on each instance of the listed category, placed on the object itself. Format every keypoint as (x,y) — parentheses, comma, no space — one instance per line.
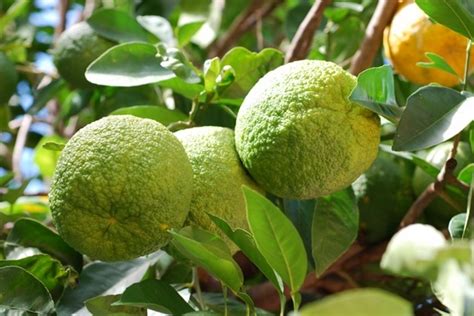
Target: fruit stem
(197,287)
(466,64)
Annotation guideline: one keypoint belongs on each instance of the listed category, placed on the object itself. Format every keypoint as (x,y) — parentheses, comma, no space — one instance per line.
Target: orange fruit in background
(411,35)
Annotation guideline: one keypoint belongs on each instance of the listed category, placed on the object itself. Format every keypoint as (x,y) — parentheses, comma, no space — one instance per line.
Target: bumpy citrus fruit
(8,78)
(218,178)
(438,213)
(384,195)
(77,47)
(300,136)
(411,35)
(120,184)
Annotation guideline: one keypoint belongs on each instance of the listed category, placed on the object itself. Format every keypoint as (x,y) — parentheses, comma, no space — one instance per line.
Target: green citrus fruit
(439,212)
(120,184)
(300,136)
(384,195)
(77,47)
(8,78)
(218,178)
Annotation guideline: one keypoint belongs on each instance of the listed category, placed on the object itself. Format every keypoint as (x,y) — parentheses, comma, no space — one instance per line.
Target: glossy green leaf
(117,25)
(46,159)
(14,193)
(4,179)
(16,9)
(450,13)
(22,292)
(30,233)
(53,146)
(173,59)
(212,68)
(185,32)
(456,225)
(99,278)
(249,67)
(50,272)
(438,62)
(157,113)
(375,90)
(158,26)
(128,65)
(156,295)
(433,115)
(102,305)
(360,302)
(335,227)
(276,239)
(216,302)
(210,252)
(178,85)
(466,174)
(246,243)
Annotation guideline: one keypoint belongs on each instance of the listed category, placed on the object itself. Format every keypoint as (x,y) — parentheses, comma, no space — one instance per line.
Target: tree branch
(242,24)
(301,43)
(364,57)
(62,11)
(434,189)
(20,144)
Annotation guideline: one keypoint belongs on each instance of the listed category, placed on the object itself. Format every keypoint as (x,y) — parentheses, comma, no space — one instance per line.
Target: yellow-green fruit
(218,178)
(300,136)
(120,184)
(8,78)
(77,47)
(438,213)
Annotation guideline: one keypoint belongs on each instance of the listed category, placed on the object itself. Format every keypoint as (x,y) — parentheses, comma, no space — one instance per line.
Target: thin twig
(258,33)
(89,8)
(364,57)
(434,189)
(303,39)
(20,144)
(242,24)
(62,11)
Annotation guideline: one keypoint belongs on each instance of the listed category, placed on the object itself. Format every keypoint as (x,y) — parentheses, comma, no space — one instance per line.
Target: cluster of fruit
(122,182)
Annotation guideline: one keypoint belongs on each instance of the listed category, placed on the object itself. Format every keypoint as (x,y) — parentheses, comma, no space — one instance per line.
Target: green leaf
(466,174)
(210,252)
(375,90)
(4,179)
(216,302)
(246,243)
(117,25)
(30,233)
(99,278)
(16,9)
(438,62)
(456,225)
(173,59)
(52,274)
(102,305)
(157,113)
(14,193)
(23,292)
(433,115)
(277,239)
(185,32)
(452,14)
(156,295)
(335,227)
(54,146)
(45,158)
(360,302)
(46,93)
(182,87)
(128,65)
(249,67)
(158,26)
(212,68)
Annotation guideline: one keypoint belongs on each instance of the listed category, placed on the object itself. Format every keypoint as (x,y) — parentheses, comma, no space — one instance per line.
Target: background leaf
(157,113)
(438,62)
(335,227)
(102,305)
(128,65)
(433,114)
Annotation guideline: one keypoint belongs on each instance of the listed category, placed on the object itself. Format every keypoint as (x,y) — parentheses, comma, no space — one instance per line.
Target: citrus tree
(236,157)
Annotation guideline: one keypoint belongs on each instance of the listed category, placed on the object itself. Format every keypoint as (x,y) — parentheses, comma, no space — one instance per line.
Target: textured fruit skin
(384,195)
(298,134)
(8,78)
(77,47)
(218,178)
(438,213)
(411,34)
(120,184)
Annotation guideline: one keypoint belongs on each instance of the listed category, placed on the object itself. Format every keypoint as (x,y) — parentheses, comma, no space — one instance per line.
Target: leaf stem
(466,64)
(468,226)
(197,287)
